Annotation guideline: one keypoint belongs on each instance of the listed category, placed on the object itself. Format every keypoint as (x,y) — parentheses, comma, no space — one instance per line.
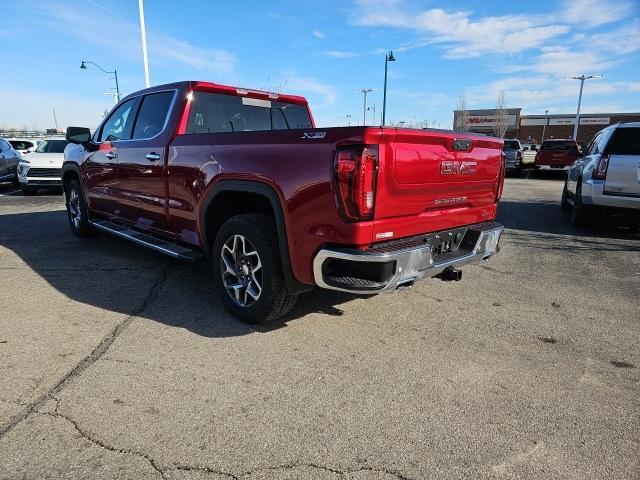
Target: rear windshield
(52,146)
(21,144)
(558,145)
(216,113)
(625,141)
(511,145)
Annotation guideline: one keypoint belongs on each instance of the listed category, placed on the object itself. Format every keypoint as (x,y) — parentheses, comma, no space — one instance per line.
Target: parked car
(243,178)
(529,151)
(606,179)
(24,145)
(556,154)
(42,167)
(9,158)
(512,155)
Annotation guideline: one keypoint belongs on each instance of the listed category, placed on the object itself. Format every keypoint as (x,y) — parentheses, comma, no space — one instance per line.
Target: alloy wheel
(241,270)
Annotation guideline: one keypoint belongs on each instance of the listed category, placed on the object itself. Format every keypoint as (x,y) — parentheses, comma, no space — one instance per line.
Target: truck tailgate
(434,180)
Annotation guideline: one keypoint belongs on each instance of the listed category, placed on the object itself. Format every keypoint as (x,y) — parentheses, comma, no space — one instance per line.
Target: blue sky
(324,50)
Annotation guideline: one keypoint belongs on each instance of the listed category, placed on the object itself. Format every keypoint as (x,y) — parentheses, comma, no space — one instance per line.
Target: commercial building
(530,128)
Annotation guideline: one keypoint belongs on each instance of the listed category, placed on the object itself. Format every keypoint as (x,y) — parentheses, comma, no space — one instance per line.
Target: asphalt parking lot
(116,362)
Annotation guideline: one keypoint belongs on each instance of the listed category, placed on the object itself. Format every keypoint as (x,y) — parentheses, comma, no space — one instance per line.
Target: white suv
(42,168)
(606,178)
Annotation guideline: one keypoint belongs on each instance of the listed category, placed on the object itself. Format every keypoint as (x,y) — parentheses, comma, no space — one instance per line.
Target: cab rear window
(558,146)
(625,141)
(217,113)
(511,145)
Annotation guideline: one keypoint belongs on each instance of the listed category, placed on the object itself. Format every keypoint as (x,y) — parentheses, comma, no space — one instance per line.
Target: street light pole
(387,58)
(582,78)
(546,121)
(365,91)
(83,66)
(143,32)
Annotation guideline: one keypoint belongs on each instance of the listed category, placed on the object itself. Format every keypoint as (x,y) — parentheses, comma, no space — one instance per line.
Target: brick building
(530,128)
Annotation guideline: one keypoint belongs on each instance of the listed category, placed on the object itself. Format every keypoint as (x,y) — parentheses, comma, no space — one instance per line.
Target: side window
(590,148)
(152,115)
(118,126)
(604,138)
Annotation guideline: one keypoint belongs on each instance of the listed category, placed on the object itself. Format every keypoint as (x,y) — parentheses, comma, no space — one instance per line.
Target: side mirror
(79,135)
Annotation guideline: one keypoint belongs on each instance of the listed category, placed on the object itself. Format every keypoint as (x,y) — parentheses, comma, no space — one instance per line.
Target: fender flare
(260,188)
(74,167)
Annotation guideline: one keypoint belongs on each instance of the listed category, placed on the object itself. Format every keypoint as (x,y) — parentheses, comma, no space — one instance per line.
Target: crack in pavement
(99,442)
(90,359)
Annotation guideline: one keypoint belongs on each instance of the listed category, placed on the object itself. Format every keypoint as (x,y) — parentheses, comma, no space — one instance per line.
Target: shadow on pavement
(116,275)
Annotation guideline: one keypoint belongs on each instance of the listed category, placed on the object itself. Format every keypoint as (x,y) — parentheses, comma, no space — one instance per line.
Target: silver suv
(606,177)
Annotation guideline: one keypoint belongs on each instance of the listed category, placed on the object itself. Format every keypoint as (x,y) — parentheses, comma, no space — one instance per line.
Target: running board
(162,246)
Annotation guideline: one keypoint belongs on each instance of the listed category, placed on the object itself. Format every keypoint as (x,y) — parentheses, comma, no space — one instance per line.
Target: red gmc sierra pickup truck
(244,179)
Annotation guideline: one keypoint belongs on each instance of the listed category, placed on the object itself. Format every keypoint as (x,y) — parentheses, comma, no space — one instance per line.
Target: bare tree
(502,116)
(462,118)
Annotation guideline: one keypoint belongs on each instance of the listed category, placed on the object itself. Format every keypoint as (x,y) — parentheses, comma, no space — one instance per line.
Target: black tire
(77,210)
(564,201)
(579,214)
(259,233)
(29,192)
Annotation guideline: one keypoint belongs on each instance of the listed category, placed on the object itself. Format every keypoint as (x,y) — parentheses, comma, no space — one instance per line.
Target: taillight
(600,168)
(501,176)
(519,155)
(356,177)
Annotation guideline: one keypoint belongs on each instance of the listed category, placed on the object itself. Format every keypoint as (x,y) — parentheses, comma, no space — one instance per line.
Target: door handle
(110,155)
(152,156)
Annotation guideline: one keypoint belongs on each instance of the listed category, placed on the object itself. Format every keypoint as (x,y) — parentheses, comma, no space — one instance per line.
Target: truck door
(142,165)
(100,166)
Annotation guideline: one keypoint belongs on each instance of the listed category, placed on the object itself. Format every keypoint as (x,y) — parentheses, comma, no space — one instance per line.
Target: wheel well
(228,204)
(67,177)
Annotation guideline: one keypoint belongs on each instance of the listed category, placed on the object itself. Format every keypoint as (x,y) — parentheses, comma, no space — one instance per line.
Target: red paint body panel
(412,195)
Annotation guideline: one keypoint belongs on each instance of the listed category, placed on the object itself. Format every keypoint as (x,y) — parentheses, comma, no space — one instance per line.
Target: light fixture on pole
(143,32)
(83,66)
(348,120)
(582,78)
(387,58)
(365,91)
(546,121)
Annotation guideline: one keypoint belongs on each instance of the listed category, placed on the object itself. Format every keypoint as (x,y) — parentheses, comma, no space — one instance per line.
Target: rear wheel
(564,201)
(77,210)
(247,269)
(579,215)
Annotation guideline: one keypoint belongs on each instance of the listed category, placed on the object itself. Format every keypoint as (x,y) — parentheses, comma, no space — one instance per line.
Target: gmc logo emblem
(454,167)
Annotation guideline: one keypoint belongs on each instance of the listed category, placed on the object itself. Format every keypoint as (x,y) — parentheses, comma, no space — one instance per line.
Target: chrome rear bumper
(385,269)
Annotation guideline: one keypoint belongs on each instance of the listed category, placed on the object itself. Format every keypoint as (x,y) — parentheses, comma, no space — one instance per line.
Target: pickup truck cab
(244,179)
(556,154)
(606,178)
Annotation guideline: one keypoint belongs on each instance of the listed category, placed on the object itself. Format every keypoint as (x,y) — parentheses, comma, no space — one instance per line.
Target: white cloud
(318,34)
(592,13)
(622,41)
(320,94)
(339,54)
(462,35)
(116,31)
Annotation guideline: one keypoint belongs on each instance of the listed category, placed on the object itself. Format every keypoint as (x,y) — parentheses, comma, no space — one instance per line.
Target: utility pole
(546,121)
(143,32)
(348,120)
(83,66)
(582,78)
(365,91)
(55,120)
(387,58)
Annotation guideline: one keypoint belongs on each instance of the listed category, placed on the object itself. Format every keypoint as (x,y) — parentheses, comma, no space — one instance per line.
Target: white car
(606,177)
(42,168)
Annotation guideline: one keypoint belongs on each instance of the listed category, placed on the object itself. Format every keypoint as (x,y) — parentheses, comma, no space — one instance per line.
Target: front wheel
(77,210)
(247,269)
